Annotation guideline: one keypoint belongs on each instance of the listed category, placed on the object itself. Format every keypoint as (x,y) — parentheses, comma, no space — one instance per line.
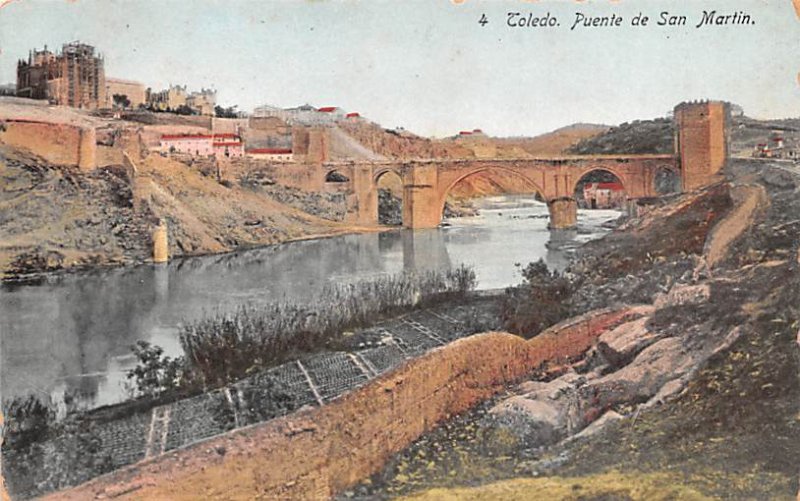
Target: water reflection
(74,332)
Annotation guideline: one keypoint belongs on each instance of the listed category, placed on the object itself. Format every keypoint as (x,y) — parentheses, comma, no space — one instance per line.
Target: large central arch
(489,169)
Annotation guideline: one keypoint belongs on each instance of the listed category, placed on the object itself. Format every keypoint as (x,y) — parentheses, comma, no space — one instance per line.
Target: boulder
(598,424)
(534,421)
(660,362)
(684,294)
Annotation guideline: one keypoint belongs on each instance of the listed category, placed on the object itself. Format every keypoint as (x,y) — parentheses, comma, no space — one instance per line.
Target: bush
(227,347)
(542,300)
(155,373)
(27,419)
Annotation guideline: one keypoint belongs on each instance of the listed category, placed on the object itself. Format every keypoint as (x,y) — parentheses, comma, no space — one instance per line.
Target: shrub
(28,419)
(542,300)
(155,373)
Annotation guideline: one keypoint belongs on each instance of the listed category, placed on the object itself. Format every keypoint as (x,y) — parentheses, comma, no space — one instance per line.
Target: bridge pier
(421,202)
(365,204)
(563,213)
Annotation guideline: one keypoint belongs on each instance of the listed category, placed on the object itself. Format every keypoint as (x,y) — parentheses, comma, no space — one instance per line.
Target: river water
(73,332)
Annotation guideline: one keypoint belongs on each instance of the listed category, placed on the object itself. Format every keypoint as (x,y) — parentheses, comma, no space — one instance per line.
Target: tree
(184,110)
(229,112)
(121,101)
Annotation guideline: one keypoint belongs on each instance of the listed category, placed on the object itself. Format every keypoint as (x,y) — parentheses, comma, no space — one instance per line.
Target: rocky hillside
(695,399)
(637,137)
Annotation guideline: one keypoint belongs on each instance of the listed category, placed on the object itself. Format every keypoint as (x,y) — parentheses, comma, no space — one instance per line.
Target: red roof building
(276,154)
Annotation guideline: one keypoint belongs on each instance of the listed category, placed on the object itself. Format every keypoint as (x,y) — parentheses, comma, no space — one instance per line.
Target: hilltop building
(134,92)
(75,77)
(305,114)
(175,96)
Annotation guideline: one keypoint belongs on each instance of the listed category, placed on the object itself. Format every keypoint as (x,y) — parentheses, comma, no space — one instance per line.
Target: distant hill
(555,142)
(637,137)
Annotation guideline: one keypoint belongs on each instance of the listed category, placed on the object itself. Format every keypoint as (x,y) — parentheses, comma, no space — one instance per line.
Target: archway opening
(667,181)
(600,189)
(501,192)
(335,176)
(390,199)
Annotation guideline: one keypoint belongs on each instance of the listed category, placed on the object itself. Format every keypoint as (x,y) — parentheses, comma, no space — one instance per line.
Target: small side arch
(334,176)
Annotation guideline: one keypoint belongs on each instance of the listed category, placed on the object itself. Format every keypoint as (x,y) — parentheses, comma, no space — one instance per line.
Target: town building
(218,145)
(274,154)
(603,195)
(74,77)
(170,98)
(134,92)
(176,96)
(227,145)
(202,102)
(305,114)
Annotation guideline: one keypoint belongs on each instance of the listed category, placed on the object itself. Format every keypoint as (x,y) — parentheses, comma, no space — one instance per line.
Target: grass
(607,486)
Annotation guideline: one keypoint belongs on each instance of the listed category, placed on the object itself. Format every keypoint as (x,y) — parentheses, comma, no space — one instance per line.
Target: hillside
(57,218)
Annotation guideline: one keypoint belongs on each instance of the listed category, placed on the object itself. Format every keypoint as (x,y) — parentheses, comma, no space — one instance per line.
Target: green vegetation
(542,300)
(227,347)
(27,419)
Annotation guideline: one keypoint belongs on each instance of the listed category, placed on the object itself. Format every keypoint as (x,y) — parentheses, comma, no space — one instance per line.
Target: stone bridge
(701,150)
(427,183)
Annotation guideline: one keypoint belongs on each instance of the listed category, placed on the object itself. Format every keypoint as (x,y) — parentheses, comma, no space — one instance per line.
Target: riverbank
(63,220)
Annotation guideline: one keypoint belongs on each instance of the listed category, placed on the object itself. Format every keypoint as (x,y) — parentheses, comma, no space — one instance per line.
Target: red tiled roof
(185,136)
(273,151)
(477,131)
(225,134)
(353,115)
(465,133)
(610,186)
(327,109)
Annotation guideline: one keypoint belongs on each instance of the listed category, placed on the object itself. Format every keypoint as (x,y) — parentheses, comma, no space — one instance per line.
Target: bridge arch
(448,187)
(602,174)
(390,197)
(382,172)
(336,176)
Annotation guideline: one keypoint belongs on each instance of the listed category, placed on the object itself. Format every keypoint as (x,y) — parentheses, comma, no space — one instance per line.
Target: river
(73,332)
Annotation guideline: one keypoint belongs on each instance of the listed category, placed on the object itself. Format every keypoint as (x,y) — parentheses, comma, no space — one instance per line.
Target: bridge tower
(702,132)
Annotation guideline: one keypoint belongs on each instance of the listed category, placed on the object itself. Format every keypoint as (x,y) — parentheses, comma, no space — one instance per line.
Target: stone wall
(318,452)
(59,144)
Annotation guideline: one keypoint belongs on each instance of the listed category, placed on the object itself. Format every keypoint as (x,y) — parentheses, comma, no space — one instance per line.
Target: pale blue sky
(428,65)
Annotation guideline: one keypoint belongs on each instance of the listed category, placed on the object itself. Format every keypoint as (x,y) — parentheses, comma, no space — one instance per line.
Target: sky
(430,66)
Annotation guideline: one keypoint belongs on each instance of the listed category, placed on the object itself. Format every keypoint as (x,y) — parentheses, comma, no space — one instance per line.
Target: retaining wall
(317,452)
(59,144)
